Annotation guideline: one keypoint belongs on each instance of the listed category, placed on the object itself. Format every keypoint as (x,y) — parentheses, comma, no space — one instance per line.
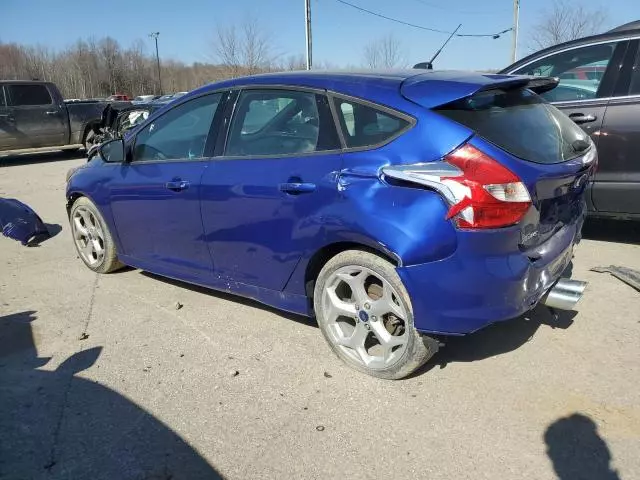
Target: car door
(617,181)
(39,120)
(263,199)
(155,199)
(8,138)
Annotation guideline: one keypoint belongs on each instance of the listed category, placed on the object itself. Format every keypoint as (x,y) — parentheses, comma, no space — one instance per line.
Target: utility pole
(154,35)
(307,23)
(516,18)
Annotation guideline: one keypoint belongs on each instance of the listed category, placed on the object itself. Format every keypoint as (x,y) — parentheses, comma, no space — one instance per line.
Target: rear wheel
(365,314)
(92,238)
(89,139)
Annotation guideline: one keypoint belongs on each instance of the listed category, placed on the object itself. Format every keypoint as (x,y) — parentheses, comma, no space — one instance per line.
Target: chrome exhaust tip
(564,294)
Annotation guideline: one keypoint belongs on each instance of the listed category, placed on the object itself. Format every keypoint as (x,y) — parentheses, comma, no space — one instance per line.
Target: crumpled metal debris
(627,275)
(20,222)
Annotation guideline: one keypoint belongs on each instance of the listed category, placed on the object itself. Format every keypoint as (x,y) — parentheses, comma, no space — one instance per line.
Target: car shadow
(577,451)
(496,339)
(56,424)
(301,319)
(608,230)
(40,157)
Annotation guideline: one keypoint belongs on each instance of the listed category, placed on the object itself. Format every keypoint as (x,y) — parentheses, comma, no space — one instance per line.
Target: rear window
(521,123)
(365,126)
(29,95)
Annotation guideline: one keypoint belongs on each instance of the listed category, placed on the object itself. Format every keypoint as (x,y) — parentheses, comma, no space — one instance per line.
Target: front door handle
(294,188)
(177,185)
(582,117)
(51,112)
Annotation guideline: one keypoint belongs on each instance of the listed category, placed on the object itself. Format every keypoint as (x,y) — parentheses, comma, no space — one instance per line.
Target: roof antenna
(429,65)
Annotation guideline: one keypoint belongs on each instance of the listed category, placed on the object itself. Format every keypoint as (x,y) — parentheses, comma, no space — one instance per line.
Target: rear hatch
(552,156)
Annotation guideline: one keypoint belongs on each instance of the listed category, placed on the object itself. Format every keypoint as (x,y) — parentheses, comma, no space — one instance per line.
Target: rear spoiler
(536,84)
(434,89)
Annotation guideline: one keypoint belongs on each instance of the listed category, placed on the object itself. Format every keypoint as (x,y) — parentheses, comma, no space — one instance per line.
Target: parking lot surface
(107,377)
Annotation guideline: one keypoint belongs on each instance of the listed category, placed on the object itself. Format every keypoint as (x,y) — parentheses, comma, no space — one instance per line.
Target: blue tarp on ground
(20,222)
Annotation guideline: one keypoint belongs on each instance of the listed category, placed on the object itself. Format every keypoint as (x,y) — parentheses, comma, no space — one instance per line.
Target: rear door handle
(295,188)
(582,118)
(8,116)
(177,185)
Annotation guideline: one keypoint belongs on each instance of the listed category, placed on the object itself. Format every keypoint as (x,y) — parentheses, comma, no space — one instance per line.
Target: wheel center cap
(363,316)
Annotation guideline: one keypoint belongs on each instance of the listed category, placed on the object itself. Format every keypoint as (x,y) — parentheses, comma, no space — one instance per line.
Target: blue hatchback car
(395,207)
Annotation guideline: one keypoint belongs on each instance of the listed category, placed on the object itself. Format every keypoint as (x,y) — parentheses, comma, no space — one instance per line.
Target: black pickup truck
(33,115)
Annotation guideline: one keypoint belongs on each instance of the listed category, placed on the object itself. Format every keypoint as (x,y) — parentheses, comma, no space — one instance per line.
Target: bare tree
(246,49)
(385,52)
(566,20)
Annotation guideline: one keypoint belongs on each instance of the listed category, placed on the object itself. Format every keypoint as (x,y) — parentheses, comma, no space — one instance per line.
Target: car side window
(281,122)
(3,102)
(180,133)
(22,95)
(364,126)
(580,71)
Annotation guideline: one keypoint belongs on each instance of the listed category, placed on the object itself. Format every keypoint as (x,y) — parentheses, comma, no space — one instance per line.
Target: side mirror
(113,151)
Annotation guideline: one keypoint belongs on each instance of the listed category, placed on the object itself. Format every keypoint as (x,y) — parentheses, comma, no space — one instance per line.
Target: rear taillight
(495,196)
(481,192)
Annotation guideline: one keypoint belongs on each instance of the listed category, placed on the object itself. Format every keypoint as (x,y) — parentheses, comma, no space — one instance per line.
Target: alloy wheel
(88,236)
(365,317)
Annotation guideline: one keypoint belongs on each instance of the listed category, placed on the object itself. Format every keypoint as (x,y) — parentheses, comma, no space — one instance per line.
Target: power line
(421,27)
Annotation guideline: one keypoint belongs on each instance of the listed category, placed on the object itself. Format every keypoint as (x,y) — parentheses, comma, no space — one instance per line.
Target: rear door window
(580,71)
(21,95)
(521,123)
(366,126)
(281,122)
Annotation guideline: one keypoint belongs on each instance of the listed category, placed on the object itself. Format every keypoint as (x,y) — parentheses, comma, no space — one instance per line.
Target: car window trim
(411,121)
(3,97)
(626,39)
(154,118)
(574,47)
(232,111)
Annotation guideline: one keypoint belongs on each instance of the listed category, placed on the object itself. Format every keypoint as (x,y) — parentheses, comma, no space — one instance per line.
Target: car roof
(382,86)
(630,29)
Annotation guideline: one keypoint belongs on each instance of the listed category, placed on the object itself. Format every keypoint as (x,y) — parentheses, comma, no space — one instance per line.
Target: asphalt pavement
(107,377)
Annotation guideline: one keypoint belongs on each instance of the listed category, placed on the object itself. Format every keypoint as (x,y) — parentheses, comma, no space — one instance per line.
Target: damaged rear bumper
(488,279)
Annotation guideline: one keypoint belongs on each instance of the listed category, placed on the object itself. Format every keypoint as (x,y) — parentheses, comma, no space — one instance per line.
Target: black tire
(109,261)
(88,139)
(419,349)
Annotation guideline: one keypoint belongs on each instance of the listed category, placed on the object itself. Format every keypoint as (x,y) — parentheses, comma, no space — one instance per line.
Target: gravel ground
(102,377)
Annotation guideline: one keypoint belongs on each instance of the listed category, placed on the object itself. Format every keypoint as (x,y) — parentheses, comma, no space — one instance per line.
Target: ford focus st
(394,207)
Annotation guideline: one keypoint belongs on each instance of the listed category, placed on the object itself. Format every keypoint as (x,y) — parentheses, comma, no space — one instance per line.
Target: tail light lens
(480,191)
(494,197)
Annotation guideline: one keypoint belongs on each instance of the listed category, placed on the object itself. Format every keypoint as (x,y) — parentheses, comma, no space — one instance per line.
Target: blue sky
(187,27)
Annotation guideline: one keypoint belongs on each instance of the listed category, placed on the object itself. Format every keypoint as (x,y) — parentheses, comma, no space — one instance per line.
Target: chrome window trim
(586,101)
(623,39)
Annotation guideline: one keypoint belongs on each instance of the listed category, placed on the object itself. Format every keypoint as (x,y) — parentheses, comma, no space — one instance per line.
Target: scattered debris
(234,373)
(181,355)
(320,428)
(19,222)
(305,408)
(628,275)
(84,336)
(147,368)
(327,375)
(178,305)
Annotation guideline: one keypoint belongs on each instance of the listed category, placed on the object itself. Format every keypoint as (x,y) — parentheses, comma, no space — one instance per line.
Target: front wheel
(365,314)
(92,238)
